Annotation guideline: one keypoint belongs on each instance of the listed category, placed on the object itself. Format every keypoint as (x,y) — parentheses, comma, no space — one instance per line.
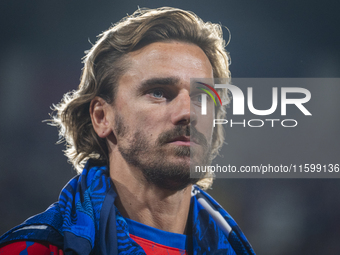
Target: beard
(165,166)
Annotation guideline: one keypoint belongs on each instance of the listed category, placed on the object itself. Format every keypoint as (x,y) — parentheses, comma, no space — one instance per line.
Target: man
(134,121)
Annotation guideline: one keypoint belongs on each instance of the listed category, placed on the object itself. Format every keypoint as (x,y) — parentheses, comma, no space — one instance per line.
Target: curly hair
(104,64)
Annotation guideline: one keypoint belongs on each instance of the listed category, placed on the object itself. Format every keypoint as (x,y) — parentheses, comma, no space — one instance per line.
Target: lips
(182,140)
(182,135)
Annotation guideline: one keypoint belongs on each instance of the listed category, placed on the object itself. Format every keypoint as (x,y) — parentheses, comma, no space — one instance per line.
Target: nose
(182,114)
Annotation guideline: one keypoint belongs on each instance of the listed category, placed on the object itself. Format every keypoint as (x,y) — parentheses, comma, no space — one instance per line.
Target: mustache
(192,132)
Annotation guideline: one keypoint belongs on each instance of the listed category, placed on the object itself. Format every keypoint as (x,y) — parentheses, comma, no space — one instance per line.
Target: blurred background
(41,46)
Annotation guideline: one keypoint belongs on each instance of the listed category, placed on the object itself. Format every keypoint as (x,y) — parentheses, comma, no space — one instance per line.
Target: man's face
(154,127)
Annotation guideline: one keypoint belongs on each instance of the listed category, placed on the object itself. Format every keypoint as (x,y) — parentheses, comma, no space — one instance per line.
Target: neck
(146,203)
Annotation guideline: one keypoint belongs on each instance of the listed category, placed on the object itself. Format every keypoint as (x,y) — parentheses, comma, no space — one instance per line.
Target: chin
(177,185)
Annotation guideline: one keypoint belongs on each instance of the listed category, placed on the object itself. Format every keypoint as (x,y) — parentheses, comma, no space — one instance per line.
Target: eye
(157,93)
(161,94)
(197,98)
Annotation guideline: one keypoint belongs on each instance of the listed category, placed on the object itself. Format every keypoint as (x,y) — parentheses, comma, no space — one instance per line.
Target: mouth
(183,141)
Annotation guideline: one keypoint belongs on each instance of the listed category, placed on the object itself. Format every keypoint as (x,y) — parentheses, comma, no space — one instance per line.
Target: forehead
(168,59)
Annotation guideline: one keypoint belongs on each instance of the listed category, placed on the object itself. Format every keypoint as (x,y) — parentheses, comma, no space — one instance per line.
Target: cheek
(149,122)
(205,125)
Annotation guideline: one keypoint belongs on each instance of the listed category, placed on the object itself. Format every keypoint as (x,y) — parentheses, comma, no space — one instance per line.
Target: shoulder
(30,248)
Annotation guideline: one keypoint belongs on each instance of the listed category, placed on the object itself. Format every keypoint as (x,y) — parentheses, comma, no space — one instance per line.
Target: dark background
(41,46)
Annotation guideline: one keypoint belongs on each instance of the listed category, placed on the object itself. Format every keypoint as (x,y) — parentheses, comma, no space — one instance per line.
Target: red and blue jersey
(156,241)
(152,241)
(86,221)
(30,248)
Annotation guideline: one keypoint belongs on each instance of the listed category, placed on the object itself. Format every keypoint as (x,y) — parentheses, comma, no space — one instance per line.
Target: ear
(100,112)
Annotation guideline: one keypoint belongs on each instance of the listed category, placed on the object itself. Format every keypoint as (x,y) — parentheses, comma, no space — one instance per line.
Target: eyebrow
(159,81)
